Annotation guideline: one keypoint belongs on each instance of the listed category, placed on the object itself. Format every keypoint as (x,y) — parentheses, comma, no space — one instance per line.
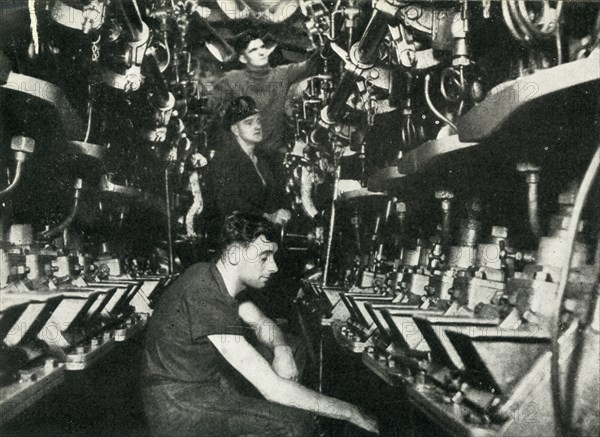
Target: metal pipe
(533,204)
(446,208)
(16,180)
(433,109)
(562,428)
(169,218)
(49,233)
(133,18)
(338,172)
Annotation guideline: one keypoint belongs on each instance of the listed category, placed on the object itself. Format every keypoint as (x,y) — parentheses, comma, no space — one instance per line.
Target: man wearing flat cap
(242,179)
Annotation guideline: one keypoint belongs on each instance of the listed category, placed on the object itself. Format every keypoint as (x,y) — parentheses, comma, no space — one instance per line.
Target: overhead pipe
(49,233)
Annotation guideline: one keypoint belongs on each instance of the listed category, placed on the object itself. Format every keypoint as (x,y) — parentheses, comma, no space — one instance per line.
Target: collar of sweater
(258,72)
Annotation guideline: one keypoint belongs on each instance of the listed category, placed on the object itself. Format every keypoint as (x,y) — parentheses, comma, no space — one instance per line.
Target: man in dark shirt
(196,346)
(242,181)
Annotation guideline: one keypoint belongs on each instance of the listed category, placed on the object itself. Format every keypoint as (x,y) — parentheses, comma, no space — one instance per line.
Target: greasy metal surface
(508,100)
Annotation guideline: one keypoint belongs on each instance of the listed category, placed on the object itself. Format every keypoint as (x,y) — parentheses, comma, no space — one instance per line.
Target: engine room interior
(429,168)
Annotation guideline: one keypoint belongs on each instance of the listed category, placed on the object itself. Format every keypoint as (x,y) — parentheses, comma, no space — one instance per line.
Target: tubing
(65,223)
(562,428)
(16,180)
(433,109)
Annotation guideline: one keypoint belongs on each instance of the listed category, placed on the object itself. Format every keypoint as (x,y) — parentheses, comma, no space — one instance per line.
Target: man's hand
(280,217)
(284,364)
(365,421)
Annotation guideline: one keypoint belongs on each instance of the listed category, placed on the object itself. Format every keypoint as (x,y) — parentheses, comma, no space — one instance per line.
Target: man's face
(256,54)
(249,129)
(256,262)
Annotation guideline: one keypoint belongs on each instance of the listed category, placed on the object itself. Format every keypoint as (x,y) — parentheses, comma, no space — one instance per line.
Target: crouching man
(197,353)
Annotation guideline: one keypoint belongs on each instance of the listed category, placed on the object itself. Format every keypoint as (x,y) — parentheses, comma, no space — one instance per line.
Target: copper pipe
(15,181)
(49,233)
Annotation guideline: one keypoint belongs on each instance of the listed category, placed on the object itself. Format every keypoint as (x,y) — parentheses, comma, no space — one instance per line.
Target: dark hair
(243,40)
(244,228)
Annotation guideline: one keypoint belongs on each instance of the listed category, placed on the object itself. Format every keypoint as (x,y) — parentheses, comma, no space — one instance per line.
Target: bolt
(499,232)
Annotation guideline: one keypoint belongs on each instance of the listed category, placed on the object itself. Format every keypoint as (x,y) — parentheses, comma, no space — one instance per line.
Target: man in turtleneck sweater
(267,85)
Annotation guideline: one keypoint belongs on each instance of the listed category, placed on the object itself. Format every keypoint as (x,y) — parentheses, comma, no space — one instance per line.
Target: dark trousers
(203,410)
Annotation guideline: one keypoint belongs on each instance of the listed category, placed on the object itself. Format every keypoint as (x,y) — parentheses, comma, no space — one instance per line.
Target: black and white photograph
(299,218)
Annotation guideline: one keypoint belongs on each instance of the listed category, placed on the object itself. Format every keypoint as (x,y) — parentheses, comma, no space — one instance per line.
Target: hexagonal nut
(499,232)
(22,144)
(400,207)
(444,194)
(567,198)
(412,12)
(527,167)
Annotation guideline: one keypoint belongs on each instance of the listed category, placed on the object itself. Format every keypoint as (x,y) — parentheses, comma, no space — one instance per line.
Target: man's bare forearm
(292,394)
(269,334)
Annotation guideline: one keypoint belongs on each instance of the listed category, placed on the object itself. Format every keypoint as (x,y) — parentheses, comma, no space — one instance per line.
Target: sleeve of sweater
(301,70)
(221,95)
